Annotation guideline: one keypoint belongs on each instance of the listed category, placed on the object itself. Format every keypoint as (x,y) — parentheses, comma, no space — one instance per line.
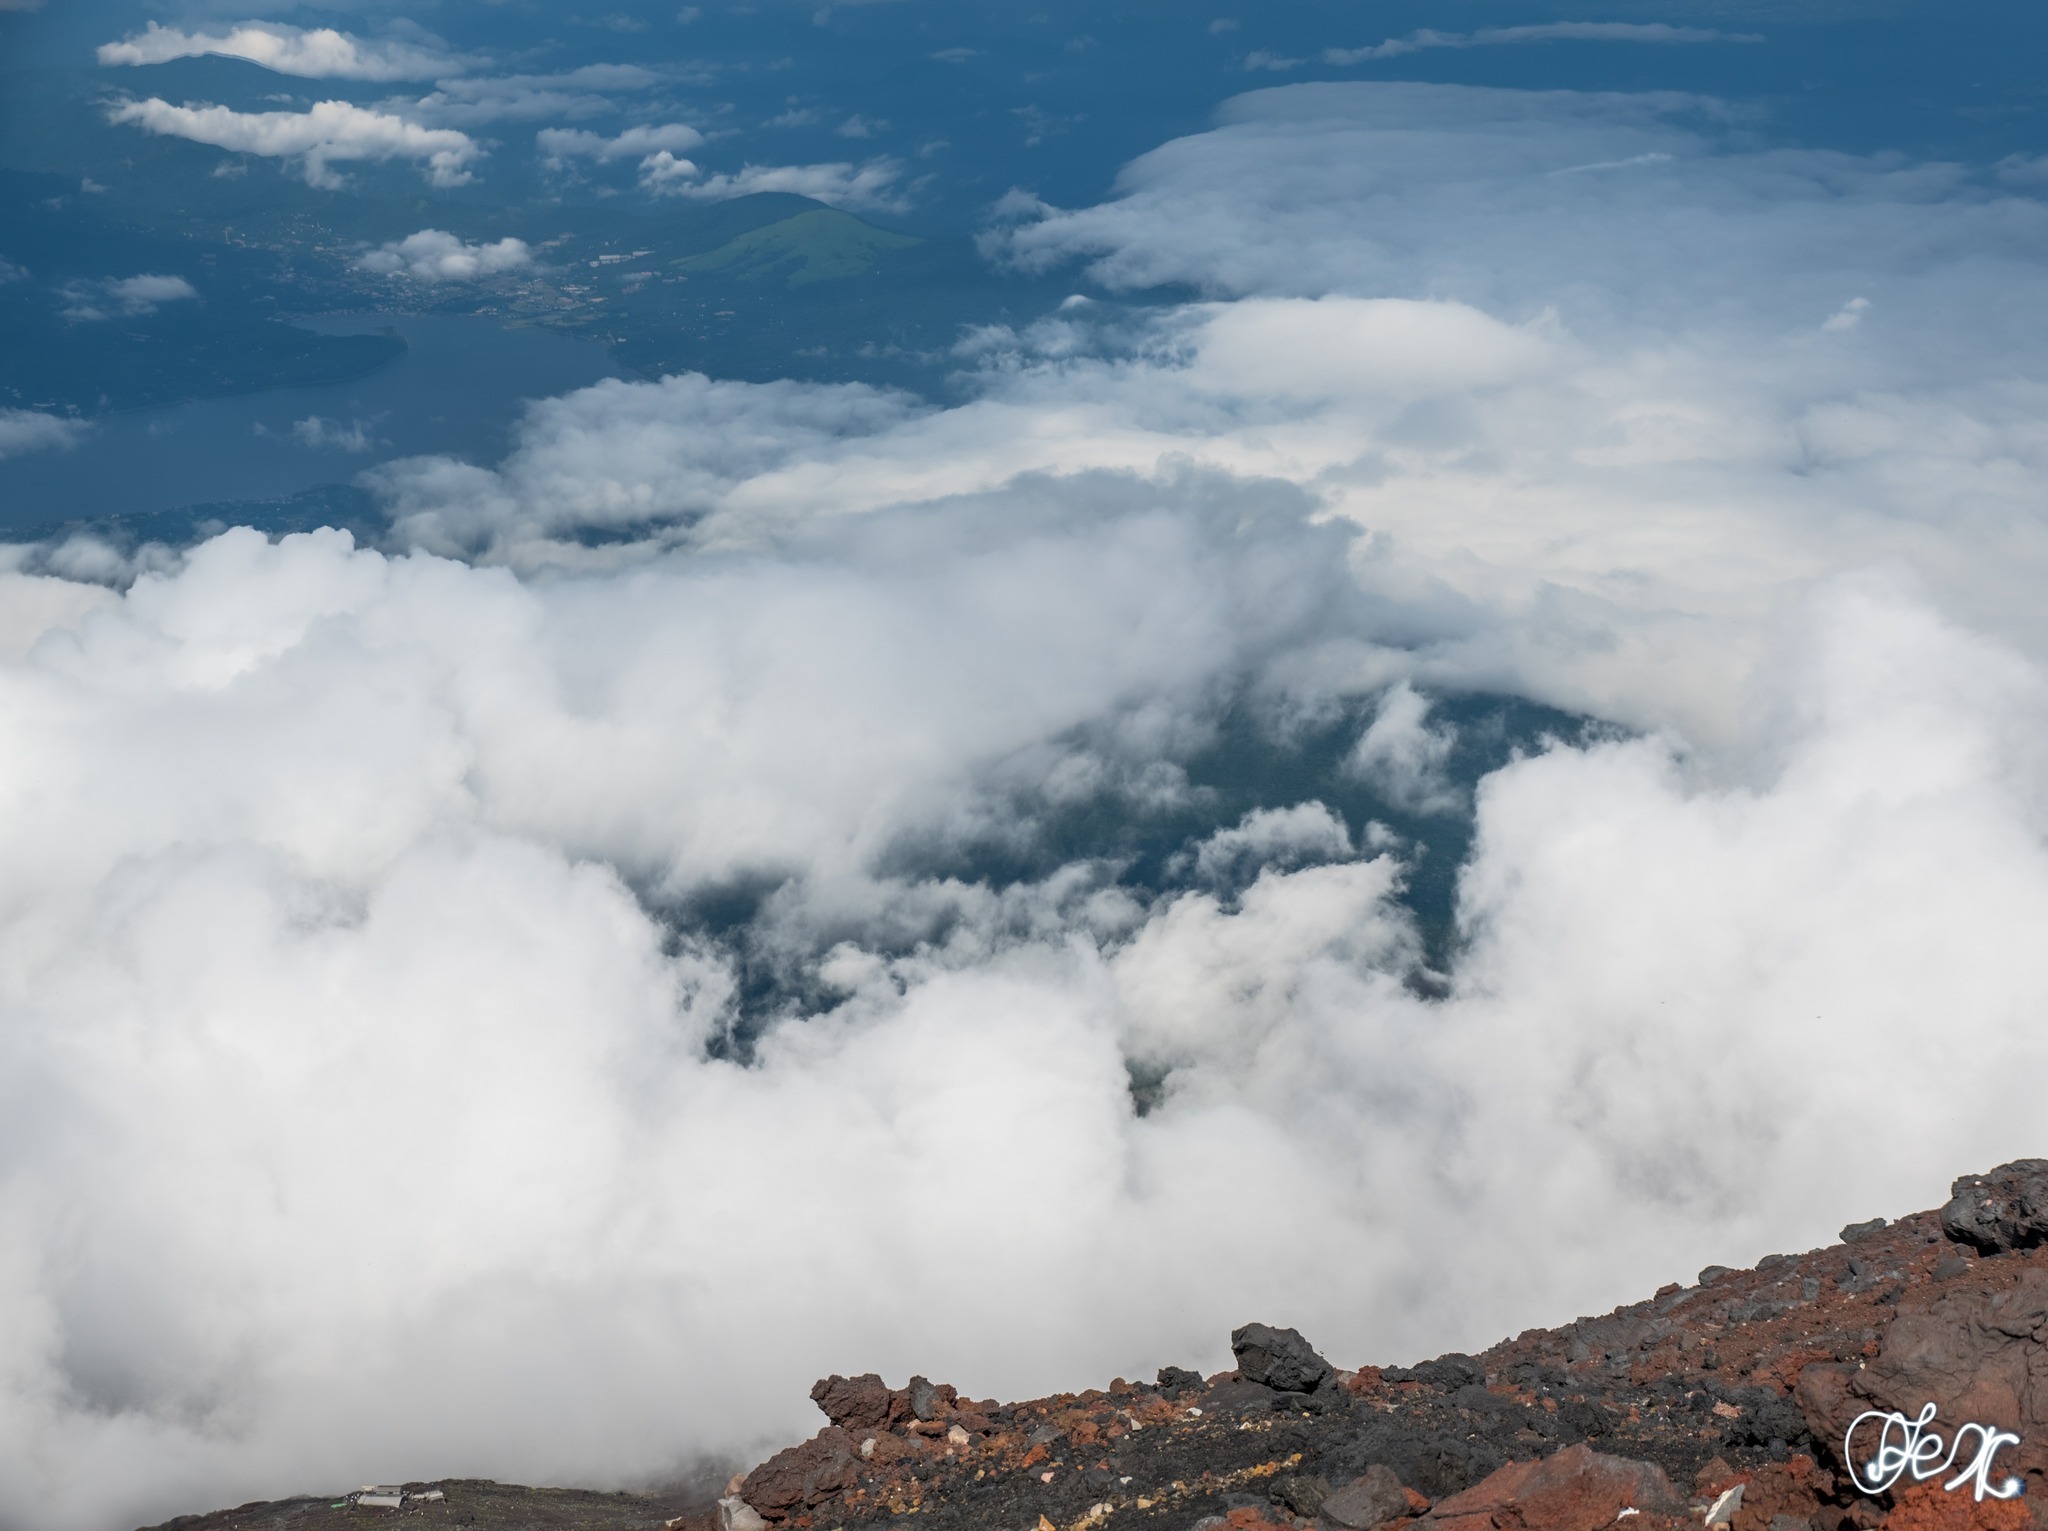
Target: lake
(458,390)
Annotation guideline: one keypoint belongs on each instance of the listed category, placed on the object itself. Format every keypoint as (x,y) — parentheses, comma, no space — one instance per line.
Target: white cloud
(1305,834)
(329,132)
(28,430)
(434,255)
(663,172)
(1540,32)
(1848,316)
(139,294)
(128,295)
(869,187)
(1405,757)
(292,835)
(561,144)
(320,54)
(318,432)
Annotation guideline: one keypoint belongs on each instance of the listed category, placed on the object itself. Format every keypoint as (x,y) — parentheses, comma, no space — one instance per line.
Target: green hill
(821,245)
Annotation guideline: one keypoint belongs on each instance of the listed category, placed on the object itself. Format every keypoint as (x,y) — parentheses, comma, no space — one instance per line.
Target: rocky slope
(1656,1413)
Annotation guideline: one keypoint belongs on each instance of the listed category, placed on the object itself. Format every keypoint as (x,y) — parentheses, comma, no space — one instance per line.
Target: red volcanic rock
(865,1402)
(794,1480)
(1978,1355)
(1578,1489)
(1925,1507)
(1780,1493)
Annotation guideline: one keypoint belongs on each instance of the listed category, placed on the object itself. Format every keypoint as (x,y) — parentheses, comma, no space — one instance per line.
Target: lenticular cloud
(522,1002)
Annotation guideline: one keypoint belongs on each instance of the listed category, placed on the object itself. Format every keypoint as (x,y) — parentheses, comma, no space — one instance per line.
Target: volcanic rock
(2006,1209)
(1977,1355)
(796,1479)
(865,1402)
(1279,1359)
(735,1514)
(929,1402)
(1371,1499)
(1578,1489)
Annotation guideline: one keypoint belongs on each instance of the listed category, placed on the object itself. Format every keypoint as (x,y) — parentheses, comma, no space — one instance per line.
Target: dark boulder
(1300,1494)
(928,1401)
(792,1481)
(865,1402)
(2006,1209)
(1278,1358)
(1448,1373)
(1371,1499)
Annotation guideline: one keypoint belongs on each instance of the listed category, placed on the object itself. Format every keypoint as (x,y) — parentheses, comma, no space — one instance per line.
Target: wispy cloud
(322,434)
(574,93)
(869,187)
(559,145)
(1541,32)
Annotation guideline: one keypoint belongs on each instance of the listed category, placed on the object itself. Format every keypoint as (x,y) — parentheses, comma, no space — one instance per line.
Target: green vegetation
(759,287)
(820,245)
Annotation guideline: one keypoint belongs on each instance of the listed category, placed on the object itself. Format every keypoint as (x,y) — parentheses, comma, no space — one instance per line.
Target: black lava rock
(1279,1358)
(2006,1209)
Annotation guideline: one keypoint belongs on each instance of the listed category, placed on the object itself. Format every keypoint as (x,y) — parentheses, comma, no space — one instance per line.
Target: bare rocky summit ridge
(1719,1406)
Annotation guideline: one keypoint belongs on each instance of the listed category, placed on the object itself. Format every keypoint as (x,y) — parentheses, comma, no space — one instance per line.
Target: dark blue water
(458,389)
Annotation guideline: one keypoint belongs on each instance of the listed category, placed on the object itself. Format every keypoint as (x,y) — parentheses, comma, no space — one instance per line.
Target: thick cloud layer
(526,1000)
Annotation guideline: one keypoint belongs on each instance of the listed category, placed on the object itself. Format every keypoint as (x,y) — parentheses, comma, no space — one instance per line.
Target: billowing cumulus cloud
(327,133)
(658,904)
(320,53)
(435,255)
